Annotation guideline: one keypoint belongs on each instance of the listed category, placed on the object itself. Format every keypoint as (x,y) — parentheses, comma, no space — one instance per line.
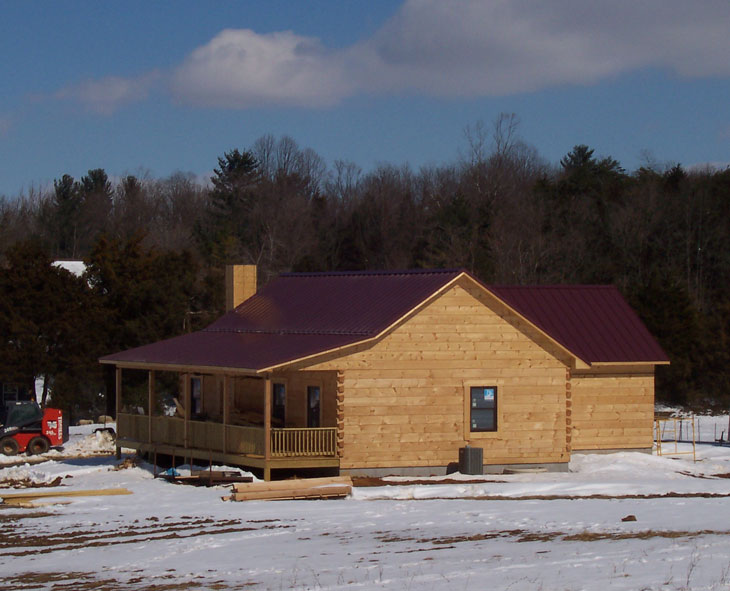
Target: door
(314,407)
(278,408)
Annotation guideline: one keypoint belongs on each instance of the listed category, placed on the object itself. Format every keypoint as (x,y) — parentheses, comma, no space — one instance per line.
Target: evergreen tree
(47,324)
(67,202)
(225,228)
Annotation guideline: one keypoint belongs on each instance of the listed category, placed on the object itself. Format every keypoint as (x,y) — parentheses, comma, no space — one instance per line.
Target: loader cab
(22,414)
(10,393)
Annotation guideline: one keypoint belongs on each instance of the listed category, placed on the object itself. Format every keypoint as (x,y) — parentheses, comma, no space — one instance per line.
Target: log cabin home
(393,372)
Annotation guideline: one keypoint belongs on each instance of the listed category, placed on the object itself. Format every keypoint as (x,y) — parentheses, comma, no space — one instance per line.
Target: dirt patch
(130,462)
(19,543)
(669,495)
(28,483)
(32,460)
(640,535)
(83,581)
(14,517)
(521,536)
(367,481)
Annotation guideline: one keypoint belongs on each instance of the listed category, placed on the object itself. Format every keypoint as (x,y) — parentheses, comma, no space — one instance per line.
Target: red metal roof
(301,314)
(297,315)
(594,322)
(355,303)
(229,349)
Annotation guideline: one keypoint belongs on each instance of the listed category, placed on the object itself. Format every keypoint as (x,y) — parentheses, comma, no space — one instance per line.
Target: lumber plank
(321,492)
(29,496)
(275,485)
(300,488)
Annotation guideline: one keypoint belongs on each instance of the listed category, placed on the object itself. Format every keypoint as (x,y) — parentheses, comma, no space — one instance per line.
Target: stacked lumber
(299,488)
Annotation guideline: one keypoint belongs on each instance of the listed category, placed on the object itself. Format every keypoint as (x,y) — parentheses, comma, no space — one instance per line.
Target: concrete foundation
(444,470)
(643,450)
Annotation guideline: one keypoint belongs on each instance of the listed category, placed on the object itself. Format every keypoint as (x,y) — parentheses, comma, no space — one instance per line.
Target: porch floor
(242,460)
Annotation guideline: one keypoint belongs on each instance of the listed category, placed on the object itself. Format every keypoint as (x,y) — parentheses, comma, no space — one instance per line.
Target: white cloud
(241,68)
(472,48)
(446,48)
(106,95)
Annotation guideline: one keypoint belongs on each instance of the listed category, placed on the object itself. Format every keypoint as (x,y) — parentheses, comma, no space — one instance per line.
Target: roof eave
(610,363)
(179,367)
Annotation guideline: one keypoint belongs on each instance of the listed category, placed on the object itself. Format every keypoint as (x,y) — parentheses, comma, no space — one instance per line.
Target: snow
(77,268)
(523,531)
(83,441)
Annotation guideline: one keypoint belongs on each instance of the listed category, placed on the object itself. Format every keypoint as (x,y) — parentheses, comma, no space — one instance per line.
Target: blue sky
(169,86)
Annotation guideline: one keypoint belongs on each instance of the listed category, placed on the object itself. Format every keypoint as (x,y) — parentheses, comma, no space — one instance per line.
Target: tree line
(155,248)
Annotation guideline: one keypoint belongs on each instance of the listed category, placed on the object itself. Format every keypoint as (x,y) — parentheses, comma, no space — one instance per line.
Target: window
(197,395)
(313,407)
(10,392)
(278,410)
(483,405)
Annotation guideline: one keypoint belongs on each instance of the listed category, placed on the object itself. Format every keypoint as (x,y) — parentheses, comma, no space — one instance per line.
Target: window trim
(498,393)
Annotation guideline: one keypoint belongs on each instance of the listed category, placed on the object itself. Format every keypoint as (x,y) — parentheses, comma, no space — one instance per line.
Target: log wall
(406,399)
(613,410)
(296,396)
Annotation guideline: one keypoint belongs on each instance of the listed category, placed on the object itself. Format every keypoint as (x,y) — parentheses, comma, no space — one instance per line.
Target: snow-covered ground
(529,531)
(83,442)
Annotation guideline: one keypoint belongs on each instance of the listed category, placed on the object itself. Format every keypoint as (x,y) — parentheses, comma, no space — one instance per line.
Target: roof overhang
(212,369)
(617,363)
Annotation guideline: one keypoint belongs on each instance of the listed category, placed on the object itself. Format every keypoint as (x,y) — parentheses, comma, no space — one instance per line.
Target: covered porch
(285,420)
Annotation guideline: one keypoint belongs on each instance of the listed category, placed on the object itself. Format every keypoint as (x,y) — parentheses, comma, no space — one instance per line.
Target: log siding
(405,400)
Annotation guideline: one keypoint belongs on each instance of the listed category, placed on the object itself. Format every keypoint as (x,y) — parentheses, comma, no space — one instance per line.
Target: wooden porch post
(150,402)
(118,403)
(226,394)
(267,427)
(186,403)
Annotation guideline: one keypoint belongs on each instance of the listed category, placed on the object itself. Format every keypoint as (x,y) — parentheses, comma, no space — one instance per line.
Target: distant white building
(76,267)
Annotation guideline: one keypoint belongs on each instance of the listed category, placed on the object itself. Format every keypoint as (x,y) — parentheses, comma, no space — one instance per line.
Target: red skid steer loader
(25,427)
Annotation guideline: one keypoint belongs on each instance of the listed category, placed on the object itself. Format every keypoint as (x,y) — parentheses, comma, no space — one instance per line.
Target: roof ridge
(555,286)
(290,331)
(372,272)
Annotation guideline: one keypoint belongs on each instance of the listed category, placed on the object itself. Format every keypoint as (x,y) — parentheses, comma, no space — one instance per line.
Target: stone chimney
(240,284)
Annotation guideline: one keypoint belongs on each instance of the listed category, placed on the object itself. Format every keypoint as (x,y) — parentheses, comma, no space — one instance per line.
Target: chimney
(240,284)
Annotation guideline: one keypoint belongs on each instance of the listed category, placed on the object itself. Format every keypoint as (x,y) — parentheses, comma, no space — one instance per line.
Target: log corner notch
(340,413)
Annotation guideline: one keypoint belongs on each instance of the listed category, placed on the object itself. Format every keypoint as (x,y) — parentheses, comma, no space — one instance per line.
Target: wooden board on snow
(300,488)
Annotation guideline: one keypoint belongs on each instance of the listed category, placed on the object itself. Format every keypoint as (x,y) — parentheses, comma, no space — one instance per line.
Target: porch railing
(304,442)
(201,434)
(205,435)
